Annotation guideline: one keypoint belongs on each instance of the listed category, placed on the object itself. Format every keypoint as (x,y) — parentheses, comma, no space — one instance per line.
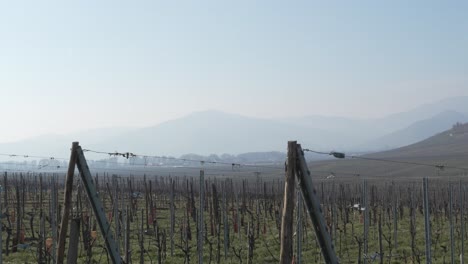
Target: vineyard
(218,216)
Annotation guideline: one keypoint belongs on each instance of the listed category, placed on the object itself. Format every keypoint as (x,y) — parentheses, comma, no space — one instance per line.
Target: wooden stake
(66,204)
(286,251)
(72,256)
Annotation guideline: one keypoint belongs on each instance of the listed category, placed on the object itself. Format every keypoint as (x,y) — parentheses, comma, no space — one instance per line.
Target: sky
(69,66)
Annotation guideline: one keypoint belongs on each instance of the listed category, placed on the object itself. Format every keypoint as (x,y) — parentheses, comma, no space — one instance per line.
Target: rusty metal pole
(286,250)
(66,204)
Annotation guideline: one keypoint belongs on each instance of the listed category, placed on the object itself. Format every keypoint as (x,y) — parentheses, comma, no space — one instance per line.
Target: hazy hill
(450,144)
(419,130)
(59,145)
(426,111)
(449,148)
(399,129)
(217,132)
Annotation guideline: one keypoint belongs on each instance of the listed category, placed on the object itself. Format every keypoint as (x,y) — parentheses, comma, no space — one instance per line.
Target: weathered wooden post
(66,204)
(74,240)
(286,250)
(97,206)
(299,228)
(314,209)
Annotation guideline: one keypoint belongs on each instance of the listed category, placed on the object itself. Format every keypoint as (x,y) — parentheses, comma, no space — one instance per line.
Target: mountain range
(215,132)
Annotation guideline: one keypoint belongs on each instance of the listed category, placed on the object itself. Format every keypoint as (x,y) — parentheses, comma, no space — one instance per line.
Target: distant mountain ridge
(215,132)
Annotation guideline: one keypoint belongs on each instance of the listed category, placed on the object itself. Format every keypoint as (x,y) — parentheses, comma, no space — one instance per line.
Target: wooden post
(314,209)
(72,256)
(299,228)
(97,206)
(286,250)
(66,204)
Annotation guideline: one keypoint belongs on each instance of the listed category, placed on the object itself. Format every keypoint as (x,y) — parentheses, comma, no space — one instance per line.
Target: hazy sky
(73,65)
